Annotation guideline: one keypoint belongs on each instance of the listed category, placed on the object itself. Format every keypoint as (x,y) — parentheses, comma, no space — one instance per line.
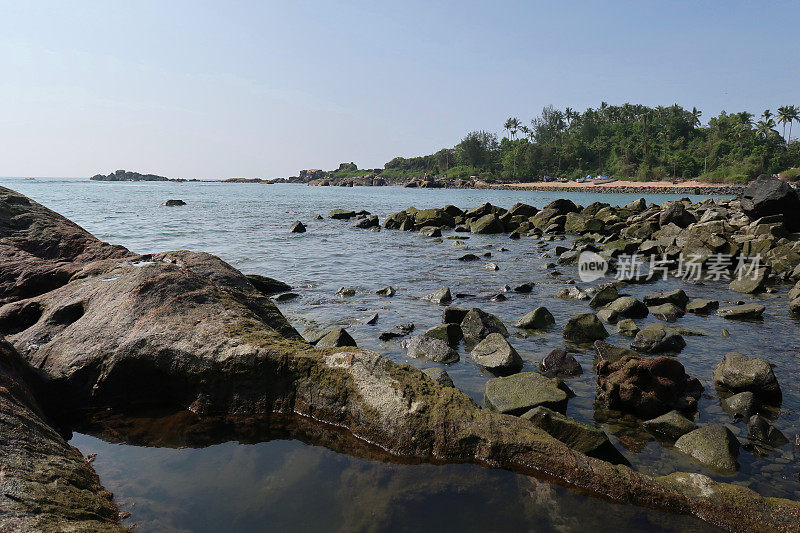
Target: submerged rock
(764,433)
(670,426)
(425,347)
(346,292)
(713,446)
(519,393)
(495,354)
(297,227)
(174,203)
(387,291)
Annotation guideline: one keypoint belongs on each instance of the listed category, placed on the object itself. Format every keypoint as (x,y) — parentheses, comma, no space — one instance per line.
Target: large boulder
(739,373)
(712,446)
(539,318)
(677,297)
(770,196)
(519,393)
(558,363)
(646,387)
(449,333)
(488,224)
(433,217)
(584,328)
(628,307)
(477,324)
(495,354)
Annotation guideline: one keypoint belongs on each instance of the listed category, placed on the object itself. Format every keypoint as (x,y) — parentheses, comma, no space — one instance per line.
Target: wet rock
(668,312)
(342,214)
(609,352)
(335,338)
(677,297)
(701,306)
(628,307)
(425,347)
(491,266)
(539,318)
(442,296)
(450,333)
(581,437)
(608,316)
(499,297)
(286,296)
(430,232)
(401,330)
(434,217)
(741,405)
(297,227)
(604,296)
(558,363)
(646,387)
(495,354)
(346,292)
(670,426)
(371,320)
(627,328)
(487,224)
(572,293)
(440,376)
(657,338)
(713,446)
(677,214)
(764,433)
(519,393)
(524,288)
(268,286)
(453,314)
(584,328)
(794,306)
(318,217)
(751,284)
(478,324)
(739,373)
(742,312)
(387,291)
(469,257)
(174,203)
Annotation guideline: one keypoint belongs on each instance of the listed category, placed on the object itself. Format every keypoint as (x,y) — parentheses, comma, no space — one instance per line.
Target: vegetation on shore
(630,141)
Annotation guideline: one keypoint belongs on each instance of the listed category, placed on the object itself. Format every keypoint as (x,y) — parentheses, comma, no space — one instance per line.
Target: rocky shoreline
(91,326)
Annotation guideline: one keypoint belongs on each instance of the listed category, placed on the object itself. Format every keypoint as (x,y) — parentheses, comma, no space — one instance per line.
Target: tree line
(628,141)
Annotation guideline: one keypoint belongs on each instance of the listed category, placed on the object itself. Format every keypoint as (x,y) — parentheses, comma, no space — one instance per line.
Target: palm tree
(745,118)
(766,115)
(794,115)
(696,114)
(783,117)
(766,128)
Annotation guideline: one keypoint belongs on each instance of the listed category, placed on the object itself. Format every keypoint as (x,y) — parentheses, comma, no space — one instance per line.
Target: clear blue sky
(218,89)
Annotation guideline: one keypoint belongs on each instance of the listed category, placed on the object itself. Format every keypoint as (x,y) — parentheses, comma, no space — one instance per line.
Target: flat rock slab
(670,426)
(742,312)
(514,395)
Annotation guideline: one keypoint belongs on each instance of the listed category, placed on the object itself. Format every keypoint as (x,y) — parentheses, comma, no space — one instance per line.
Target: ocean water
(242,485)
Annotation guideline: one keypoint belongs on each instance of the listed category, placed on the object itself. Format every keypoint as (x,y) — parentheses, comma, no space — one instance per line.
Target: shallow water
(270,482)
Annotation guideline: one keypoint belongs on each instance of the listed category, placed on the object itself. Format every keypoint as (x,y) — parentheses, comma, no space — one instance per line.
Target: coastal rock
(657,338)
(646,387)
(608,352)
(604,296)
(670,426)
(367,223)
(432,349)
(572,293)
(387,291)
(495,354)
(584,328)
(449,333)
(440,376)
(677,297)
(713,446)
(677,214)
(434,217)
(701,306)
(739,373)
(478,324)
(742,312)
(764,433)
(579,436)
(627,328)
(442,296)
(173,203)
(346,292)
(487,224)
(751,284)
(668,312)
(453,314)
(768,196)
(335,338)
(268,286)
(628,307)
(741,405)
(558,363)
(519,393)
(539,318)
(342,214)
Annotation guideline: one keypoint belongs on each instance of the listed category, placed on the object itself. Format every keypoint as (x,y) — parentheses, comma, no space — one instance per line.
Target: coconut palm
(512,126)
(794,115)
(766,115)
(745,118)
(783,117)
(696,114)
(766,128)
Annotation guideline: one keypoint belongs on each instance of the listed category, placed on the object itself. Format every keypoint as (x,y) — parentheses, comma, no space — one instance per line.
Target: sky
(263,89)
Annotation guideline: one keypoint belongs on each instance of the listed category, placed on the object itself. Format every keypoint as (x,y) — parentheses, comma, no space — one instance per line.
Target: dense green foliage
(629,141)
